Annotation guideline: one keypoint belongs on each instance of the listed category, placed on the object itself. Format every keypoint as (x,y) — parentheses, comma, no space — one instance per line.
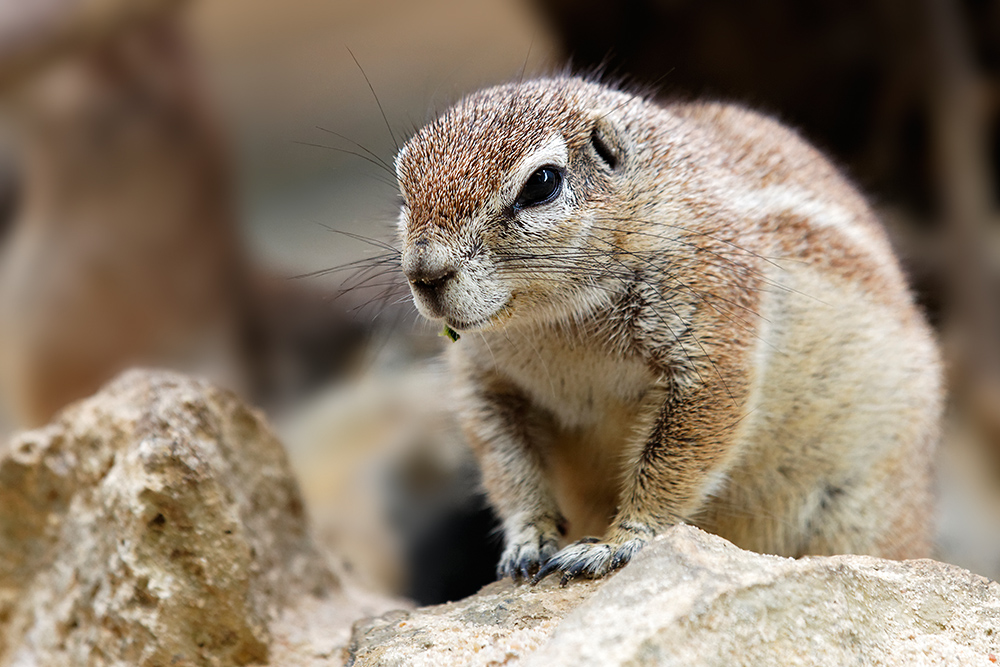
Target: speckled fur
(707,325)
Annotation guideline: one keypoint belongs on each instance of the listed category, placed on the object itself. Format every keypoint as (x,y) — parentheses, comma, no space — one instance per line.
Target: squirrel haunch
(681,313)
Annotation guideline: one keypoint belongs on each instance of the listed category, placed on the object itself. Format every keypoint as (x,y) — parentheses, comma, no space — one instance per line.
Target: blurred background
(200,184)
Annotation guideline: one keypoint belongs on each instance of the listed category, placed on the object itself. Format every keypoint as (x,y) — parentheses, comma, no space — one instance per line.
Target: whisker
(377,102)
(366,239)
(391,183)
(386,260)
(374,156)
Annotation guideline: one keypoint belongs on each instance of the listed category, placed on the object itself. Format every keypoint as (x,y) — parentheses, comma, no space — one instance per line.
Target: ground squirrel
(668,313)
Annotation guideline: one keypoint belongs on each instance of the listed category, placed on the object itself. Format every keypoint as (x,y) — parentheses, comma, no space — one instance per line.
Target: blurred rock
(297,337)
(691,598)
(125,247)
(968,509)
(33,33)
(157,523)
(392,486)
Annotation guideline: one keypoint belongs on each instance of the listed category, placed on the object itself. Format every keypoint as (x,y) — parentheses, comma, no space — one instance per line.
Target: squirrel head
(500,195)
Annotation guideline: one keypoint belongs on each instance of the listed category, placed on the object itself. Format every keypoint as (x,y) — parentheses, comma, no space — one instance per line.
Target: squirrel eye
(541,187)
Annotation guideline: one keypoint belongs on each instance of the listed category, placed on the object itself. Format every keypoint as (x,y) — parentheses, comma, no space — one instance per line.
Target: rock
(498,625)
(158,523)
(691,598)
(155,523)
(126,247)
(391,486)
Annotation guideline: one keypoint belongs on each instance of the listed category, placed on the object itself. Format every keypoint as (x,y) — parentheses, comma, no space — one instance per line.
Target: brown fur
(707,326)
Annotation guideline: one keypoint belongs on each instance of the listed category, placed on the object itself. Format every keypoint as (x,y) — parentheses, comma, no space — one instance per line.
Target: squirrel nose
(428,276)
(429,267)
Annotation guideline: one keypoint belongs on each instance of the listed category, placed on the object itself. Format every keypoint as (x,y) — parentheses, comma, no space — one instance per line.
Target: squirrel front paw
(590,558)
(528,548)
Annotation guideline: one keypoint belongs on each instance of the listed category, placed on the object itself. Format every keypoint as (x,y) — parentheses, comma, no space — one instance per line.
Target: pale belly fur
(590,409)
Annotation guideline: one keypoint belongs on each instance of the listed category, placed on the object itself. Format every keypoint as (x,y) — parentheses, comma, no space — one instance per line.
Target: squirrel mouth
(499,316)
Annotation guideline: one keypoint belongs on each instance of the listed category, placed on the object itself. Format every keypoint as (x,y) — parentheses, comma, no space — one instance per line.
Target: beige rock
(125,246)
(691,598)
(498,625)
(158,523)
(695,599)
(155,523)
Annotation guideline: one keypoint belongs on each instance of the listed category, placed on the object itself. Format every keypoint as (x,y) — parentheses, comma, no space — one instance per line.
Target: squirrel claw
(522,560)
(590,559)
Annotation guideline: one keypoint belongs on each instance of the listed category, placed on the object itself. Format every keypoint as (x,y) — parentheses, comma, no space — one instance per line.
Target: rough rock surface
(158,523)
(691,598)
(497,625)
(155,523)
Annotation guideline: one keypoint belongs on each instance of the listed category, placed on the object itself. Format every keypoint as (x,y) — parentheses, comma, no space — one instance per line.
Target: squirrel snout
(427,274)
(432,279)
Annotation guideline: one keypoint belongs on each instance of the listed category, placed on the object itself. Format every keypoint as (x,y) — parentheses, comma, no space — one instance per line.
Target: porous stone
(499,625)
(156,523)
(695,599)
(691,598)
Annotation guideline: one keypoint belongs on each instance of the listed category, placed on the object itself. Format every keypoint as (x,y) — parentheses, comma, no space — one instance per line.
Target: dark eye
(541,187)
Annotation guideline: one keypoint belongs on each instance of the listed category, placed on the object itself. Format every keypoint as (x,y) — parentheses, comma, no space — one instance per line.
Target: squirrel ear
(609,142)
